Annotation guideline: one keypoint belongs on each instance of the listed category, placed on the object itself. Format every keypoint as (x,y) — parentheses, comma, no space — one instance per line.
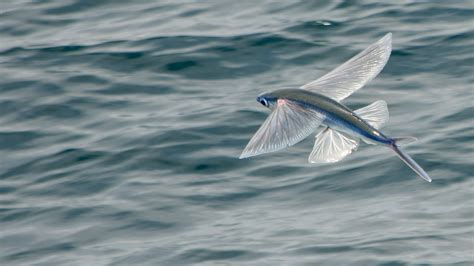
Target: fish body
(297,113)
(336,115)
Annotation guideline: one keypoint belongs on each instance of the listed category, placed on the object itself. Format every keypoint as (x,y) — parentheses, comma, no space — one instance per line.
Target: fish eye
(264,102)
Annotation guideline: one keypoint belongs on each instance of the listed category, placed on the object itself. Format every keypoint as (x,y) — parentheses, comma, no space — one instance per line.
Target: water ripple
(121,124)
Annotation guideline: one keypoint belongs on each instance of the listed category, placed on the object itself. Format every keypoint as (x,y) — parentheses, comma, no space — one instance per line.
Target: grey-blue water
(121,124)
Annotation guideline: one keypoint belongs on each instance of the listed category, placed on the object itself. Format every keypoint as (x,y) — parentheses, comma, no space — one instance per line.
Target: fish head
(268,100)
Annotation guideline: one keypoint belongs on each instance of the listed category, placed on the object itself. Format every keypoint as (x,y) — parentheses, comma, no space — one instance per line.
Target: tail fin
(404,140)
(410,162)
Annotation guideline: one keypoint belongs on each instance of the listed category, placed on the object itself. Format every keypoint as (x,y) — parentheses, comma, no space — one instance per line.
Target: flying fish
(297,113)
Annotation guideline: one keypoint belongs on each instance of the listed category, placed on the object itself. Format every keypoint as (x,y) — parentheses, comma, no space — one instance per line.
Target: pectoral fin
(355,73)
(332,146)
(288,124)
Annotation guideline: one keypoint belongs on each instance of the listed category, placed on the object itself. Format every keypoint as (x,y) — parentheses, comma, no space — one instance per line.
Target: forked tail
(409,161)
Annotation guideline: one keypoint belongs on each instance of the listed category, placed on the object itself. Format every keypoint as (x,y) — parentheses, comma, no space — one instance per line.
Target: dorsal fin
(375,114)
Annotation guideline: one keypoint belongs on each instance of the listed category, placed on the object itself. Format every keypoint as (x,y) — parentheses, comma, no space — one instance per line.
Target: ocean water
(121,124)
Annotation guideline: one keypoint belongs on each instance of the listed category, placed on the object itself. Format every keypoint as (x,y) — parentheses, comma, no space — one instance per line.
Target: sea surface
(121,124)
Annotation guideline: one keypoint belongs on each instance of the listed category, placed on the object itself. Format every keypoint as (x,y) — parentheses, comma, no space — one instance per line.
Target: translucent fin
(375,114)
(288,124)
(411,163)
(332,146)
(355,73)
(404,140)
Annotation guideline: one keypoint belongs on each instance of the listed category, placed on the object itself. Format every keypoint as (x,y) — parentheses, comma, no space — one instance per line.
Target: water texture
(121,123)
